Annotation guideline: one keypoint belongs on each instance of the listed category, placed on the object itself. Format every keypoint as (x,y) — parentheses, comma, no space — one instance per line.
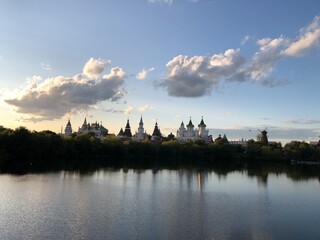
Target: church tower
(203,133)
(68,129)
(127,130)
(141,129)
(156,131)
(141,134)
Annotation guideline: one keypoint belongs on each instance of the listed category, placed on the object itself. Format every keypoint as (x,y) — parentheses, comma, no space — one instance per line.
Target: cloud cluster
(197,75)
(54,97)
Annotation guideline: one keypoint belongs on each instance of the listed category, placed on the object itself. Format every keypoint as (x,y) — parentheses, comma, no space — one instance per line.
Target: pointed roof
(182,124)
(190,123)
(69,123)
(121,133)
(202,123)
(84,125)
(225,139)
(127,130)
(141,122)
(128,125)
(218,138)
(156,131)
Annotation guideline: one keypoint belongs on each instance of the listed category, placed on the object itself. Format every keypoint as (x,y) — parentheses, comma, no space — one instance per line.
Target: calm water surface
(163,205)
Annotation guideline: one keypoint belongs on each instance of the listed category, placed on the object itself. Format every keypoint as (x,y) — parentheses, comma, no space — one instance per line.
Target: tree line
(46,150)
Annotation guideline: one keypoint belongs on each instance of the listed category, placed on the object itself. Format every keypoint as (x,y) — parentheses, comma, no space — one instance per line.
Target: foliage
(45,150)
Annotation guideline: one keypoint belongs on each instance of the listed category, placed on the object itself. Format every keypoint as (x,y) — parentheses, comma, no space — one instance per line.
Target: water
(162,205)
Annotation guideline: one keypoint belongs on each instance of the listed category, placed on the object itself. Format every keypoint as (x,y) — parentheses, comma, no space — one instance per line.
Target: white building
(95,128)
(141,134)
(189,133)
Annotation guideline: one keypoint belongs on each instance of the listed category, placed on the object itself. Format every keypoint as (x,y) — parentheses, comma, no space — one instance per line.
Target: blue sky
(242,65)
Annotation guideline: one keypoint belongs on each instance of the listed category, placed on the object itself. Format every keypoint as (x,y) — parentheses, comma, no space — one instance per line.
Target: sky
(243,65)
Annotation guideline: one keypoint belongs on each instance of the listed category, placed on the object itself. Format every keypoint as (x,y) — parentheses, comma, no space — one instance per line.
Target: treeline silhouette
(22,149)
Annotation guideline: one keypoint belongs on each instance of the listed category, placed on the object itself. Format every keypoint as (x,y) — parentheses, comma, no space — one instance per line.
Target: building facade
(141,134)
(98,129)
(189,133)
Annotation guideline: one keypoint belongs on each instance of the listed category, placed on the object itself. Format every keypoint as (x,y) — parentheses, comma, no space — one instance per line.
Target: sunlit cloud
(197,76)
(143,74)
(308,38)
(33,80)
(54,97)
(145,108)
(128,110)
(95,67)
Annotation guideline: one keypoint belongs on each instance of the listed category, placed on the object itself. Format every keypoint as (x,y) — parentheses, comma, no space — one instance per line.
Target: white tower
(203,133)
(141,129)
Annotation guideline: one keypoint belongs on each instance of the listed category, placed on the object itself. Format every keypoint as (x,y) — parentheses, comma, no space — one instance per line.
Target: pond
(165,204)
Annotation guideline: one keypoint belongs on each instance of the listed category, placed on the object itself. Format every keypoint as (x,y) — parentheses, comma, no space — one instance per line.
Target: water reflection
(160,204)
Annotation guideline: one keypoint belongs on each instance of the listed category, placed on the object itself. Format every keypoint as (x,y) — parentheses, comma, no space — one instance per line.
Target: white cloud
(34,79)
(46,67)
(95,67)
(198,75)
(303,121)
(54,97)
(145,108)
(169,2)
(128,110)
(308,38)
(264,60)
(245,40)
(143,74)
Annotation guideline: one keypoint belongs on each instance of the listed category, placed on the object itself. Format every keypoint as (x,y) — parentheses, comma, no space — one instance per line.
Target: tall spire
(128,125)
(84,125)
(68,129)
(127,130)
(156,130)
(141,122)
(69,124)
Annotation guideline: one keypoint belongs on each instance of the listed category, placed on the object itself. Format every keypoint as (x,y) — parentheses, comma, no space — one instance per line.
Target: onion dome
(202,123)
(190,124)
